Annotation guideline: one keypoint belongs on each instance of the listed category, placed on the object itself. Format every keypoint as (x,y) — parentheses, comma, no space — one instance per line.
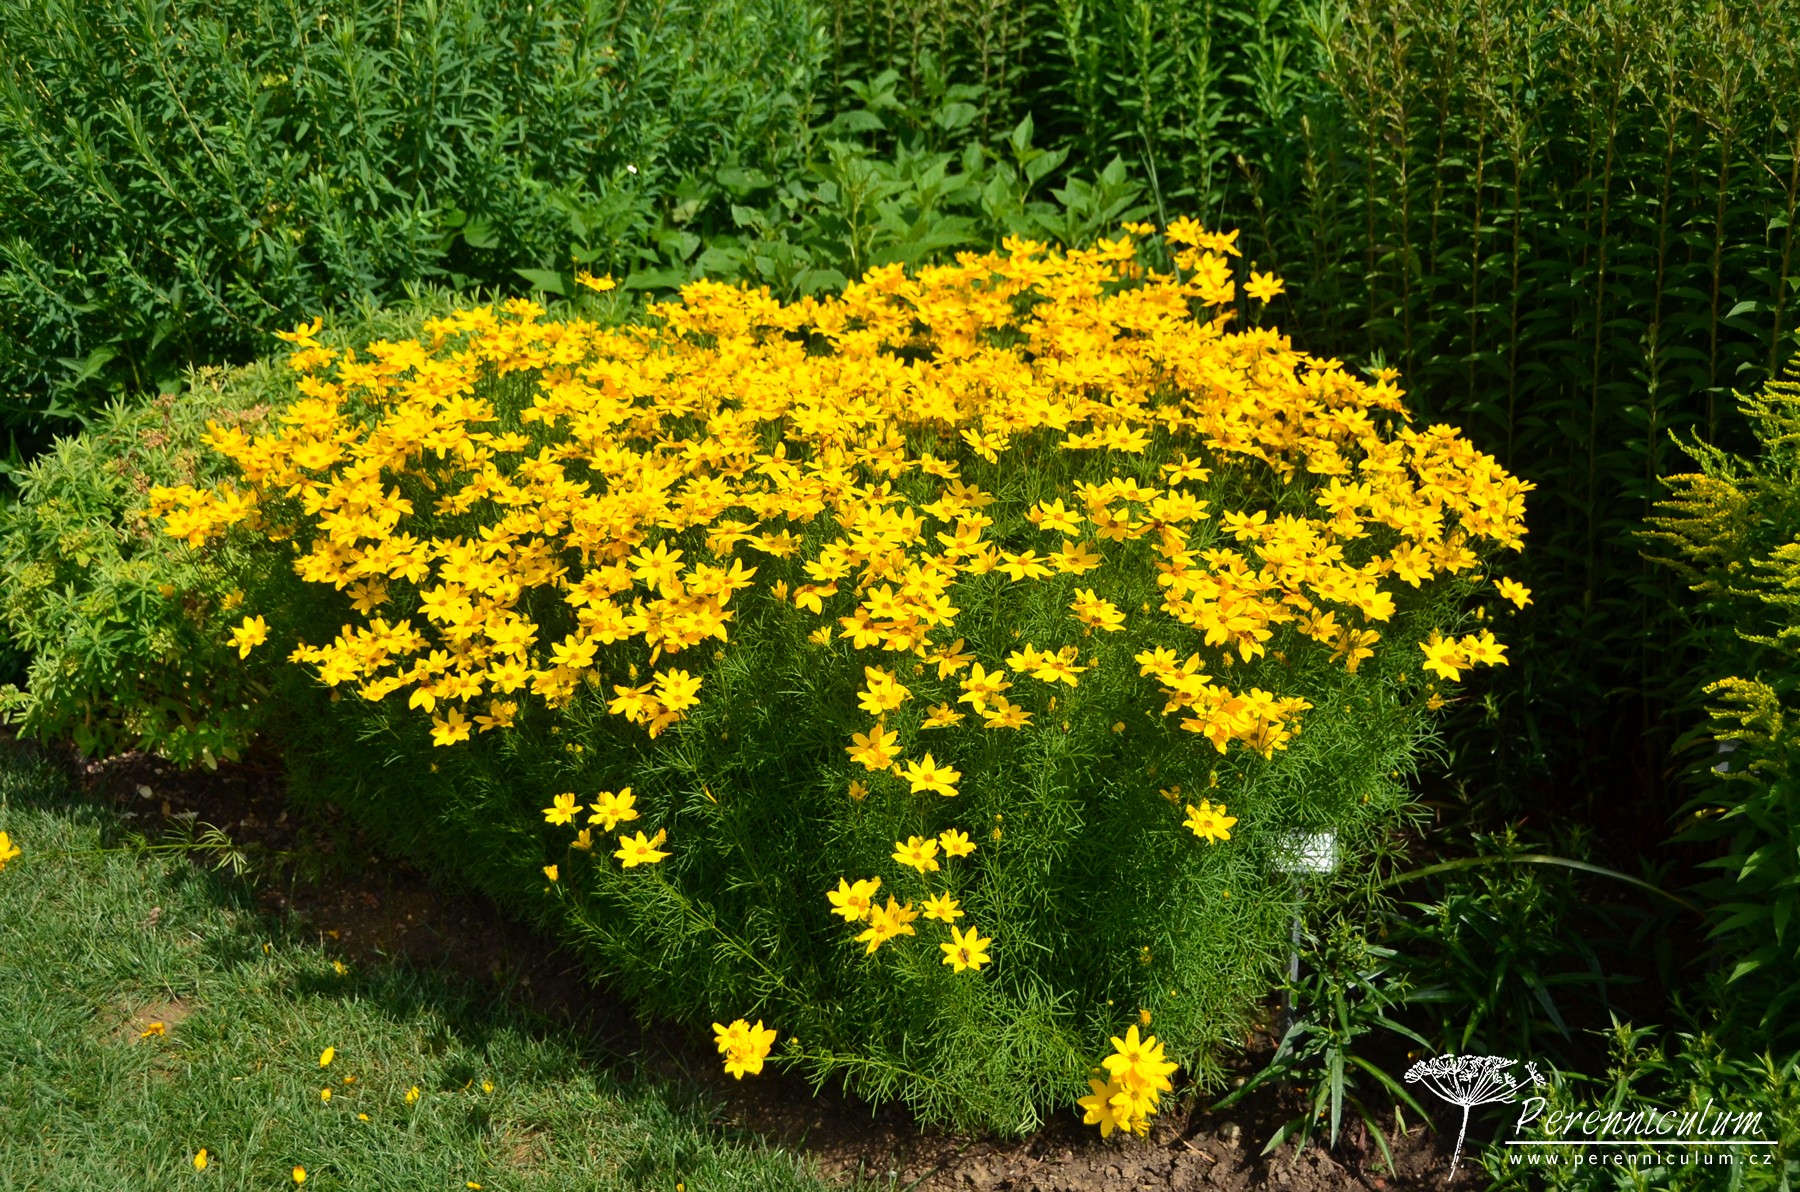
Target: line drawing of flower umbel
(1471,1080)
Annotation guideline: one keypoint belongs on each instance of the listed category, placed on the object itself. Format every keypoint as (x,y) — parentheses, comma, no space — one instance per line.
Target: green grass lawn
(95,947)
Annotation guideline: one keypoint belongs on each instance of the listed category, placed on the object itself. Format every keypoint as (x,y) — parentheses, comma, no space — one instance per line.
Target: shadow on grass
(513,1055)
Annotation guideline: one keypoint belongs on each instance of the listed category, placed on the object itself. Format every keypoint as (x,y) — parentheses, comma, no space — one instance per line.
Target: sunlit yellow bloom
(1514,591)
(614,809)
(966,950)
(886,923)
(562,810)
(942,907)
(1209,822)
(853,901)
(942,716)
(927,775)
(1263,286)
(743,1046)
(875,749)
(955,842)
(640,850)
(920,852)
(253,632)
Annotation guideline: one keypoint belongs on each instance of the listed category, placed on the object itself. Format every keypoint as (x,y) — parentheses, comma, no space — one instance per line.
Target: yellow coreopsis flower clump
(522,511)
(655,465)
(1137,1076)
(744,1047)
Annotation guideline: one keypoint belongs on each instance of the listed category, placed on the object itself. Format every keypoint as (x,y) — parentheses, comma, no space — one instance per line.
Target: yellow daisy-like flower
(252,633)
(853,902)
(640,850)
(942,716)
(942,907)
(955,842)
(452,727)
(920,852)
(1263,286)
(1514,591)
(562,809)
(613,810)
(743,1046)
(875,749)
(8,850)
(929,776)
(200,1159)
(967,950)
(1209,822)
(887,922)
(551,872)
(1445,659)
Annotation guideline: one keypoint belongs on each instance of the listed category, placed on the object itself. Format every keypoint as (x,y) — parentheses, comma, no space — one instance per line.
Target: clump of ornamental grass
(943,673)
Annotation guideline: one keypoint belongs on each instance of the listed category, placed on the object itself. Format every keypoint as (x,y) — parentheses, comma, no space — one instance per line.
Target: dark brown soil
(368,909)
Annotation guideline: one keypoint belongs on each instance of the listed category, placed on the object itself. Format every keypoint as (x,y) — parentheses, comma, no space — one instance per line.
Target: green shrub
(173,183)
(1571,227)
(175,180)
(1688,1073)
(809,463)
(1731,531)
(126,629)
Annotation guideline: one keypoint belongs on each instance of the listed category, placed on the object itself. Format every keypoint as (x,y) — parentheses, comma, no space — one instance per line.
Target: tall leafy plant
(177,180)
